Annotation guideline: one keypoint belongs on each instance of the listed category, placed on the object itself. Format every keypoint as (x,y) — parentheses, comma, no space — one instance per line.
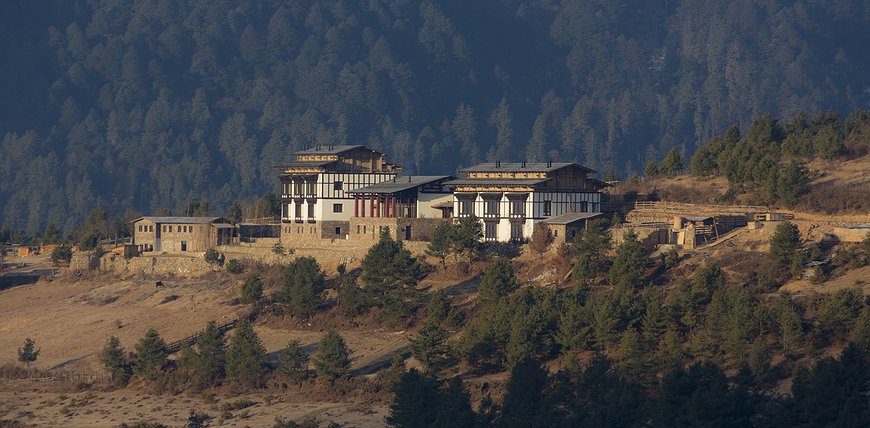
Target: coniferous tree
(454,409)
(246,356)
(303,283)
(628,264)
(114,357)
(786,248)
(150,355)
(293,361)
(28,353)
(429,346)
(524,402)
(441,242)
(388,266)
(498,281)
(413,401)
(210,356)
(333,356)
(252,289)
(466,238)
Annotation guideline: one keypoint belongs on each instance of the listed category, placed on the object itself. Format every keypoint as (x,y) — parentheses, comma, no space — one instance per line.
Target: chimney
(409,179)
(498,164)
(549,164)
(523,164)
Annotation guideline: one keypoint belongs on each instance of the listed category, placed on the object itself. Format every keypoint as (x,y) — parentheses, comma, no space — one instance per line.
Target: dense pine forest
(147,105)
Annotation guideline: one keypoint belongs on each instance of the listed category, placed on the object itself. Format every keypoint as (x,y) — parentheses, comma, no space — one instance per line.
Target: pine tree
(524,402)
(211,356)
(498,281)
(303,283)
(628,264)
(441,242)
(28,353)
(252,289)
(150,355)
(114,358)
(333,356)
(388,266)
(466,239)
(861,331)
(786,248)
(454,409)
(293,362)
(246,356)
(430,348)
(672,163)
(413,401)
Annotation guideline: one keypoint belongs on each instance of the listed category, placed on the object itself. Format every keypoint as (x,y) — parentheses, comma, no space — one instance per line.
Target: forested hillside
(145,105)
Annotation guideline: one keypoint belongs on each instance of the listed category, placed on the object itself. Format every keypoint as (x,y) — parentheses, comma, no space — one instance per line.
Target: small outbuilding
(566,227)
(182,234)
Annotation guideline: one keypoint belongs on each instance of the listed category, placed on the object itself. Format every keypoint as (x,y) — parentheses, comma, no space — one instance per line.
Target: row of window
(166,228)
(310,188)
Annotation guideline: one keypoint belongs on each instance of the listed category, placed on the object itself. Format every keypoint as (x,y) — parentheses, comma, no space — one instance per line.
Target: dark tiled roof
(400,184)
(520,167)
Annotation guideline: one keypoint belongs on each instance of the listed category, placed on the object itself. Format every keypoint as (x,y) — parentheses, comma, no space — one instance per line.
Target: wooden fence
(53,376)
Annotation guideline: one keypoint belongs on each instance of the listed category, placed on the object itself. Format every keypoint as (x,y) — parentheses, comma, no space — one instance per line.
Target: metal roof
(174,220)
(496,182)
(859,226)
(399,184)
(569,218)
(523,166)
(223,226)
(329,150)
(307,164)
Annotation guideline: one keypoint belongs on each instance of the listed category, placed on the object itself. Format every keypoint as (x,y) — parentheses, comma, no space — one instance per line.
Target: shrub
(234,266)
(252,289)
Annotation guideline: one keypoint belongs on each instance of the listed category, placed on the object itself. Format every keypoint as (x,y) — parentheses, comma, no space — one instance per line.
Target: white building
(315,189)
(510,198)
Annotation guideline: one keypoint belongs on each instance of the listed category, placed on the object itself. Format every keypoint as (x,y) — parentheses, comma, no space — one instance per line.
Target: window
(357,229)
(548,208)
(584,207)
(465,206)
(337,208)
(516,231)
(312,190)
(337,185)
(490,231)
(364,230)
(491,207)
(298,211)
(338,230)
(310,211)
(170,228)
(140,227)
(297,188)
(183,245)
(164,228)
(150,228)
(518,207)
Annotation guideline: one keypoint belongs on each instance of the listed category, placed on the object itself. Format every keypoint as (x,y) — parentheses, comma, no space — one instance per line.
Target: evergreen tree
(210,356)
(150,355)
(389,266)
(524,402)
(252,289)
(293,361)
(786,247)
(454,409)
(700,396)
(234,213)
(303,284)
(429,346)
(114,358)
(672,163)
(441,242)
(466,238)
(28,353)
(333,356)
(415,401)
(246,356)
(498,281)
(628,264)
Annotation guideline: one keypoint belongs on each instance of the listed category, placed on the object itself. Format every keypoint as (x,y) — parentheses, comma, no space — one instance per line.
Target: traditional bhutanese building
(510,198)
(315,189)
(410,206)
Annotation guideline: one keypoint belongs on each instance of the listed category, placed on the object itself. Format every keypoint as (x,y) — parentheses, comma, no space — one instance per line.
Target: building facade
(510,198)
(410,206)
(315,189)
(182,234)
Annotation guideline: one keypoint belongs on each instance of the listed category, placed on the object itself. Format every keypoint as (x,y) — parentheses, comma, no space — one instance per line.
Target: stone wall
(369,228)
(155,264)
